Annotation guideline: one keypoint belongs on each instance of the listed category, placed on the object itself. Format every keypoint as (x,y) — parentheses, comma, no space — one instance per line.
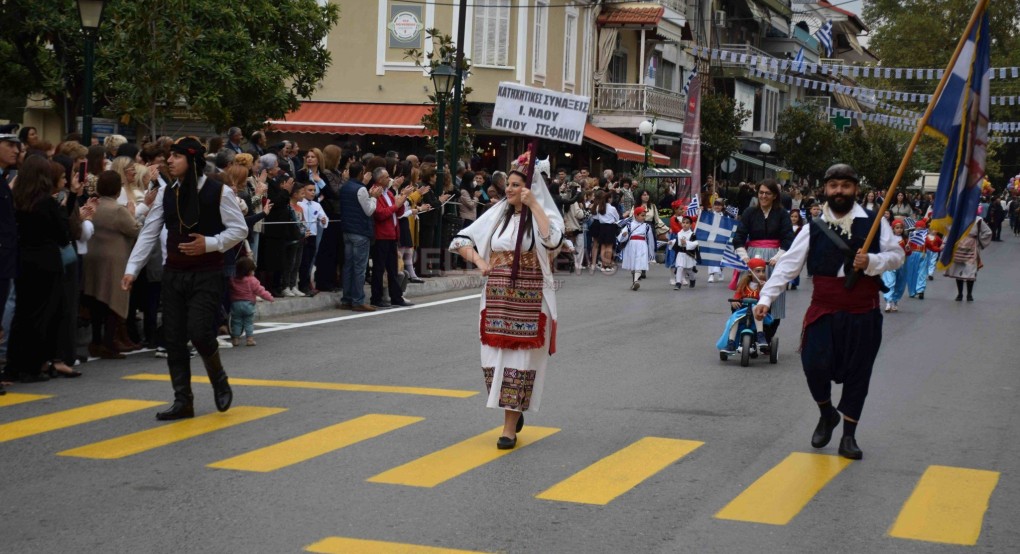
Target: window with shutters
(569,48)
(490,38)
(541,40)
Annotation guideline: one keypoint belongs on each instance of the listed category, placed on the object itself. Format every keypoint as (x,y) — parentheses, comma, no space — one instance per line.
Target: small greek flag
(693,207)
(803,214)
(730,259)
(918,236)
(733,211)
(687,85)
(909,222)
(824,36)
(798,62)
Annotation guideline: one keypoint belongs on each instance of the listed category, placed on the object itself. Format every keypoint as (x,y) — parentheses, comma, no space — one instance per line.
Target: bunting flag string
(865,94)
(909,123)
(866,71)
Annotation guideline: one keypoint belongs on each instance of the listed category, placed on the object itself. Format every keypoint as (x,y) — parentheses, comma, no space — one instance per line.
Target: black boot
(692,283)
(823,431)
(221,388)
(184,402)
(848,448)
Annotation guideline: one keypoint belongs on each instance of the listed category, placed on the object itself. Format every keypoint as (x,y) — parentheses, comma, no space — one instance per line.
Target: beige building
(374,94)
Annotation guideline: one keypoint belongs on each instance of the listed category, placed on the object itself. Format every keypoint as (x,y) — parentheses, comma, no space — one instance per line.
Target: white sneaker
(289,292)
(684,283)
(672,281)
(888,307)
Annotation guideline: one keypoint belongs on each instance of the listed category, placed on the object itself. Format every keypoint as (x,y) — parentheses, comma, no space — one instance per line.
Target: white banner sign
(540,113)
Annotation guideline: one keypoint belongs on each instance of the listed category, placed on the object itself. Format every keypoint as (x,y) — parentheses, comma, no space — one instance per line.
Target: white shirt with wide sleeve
(890,256)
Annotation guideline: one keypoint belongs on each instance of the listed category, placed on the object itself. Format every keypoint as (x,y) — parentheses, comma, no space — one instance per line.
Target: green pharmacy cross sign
(841,122)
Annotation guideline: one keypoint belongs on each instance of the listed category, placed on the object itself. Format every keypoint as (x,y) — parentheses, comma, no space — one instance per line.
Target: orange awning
(624,149)
(631,16)
(348,118)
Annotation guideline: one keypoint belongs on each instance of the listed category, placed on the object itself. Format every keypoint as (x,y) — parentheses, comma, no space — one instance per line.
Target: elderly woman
(966,258)
(765,232)
(105,262)
(517,317)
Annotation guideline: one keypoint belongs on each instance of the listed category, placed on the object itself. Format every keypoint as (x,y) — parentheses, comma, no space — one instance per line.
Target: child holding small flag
(640,246)
(933,244)
(685,246)
(748,286)
(896,279)
(917,261)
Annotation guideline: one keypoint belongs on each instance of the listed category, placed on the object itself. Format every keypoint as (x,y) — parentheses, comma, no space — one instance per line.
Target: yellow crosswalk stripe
(69,418)
(316,385)
(619,472)
(344,545)
(13,398)
(128,445)
(443,465)
(948,506)
(779,495)
(316,443)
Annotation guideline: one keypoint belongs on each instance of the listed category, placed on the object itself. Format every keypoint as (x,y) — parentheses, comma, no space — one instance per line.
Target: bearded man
(843,325)
(202,221)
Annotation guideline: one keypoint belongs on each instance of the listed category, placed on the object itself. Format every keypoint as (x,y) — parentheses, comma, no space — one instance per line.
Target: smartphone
(265,201)
(82,171)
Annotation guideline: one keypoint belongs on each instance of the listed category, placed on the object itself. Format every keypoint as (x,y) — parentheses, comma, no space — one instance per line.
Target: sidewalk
(451,281)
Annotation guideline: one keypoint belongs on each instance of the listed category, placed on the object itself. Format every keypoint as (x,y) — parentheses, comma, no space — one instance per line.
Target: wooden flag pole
(978,10)
(516,264)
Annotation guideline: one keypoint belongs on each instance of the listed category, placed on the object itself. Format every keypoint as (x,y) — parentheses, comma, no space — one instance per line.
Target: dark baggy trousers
(191,303)
(841,348)
(384,257)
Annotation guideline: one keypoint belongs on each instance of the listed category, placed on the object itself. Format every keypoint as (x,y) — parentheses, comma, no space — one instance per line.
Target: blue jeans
(242,316)
(356,263)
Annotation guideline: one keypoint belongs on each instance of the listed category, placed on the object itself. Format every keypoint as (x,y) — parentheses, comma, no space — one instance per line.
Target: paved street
(372,428)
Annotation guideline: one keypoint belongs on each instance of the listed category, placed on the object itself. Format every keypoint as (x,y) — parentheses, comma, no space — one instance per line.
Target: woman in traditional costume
(967,258)
(517,318)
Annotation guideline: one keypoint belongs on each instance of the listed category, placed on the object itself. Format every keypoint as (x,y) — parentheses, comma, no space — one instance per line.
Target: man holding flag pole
(842,328)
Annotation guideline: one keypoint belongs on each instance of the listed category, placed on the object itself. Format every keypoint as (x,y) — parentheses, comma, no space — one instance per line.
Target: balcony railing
(644,100)
(741,49)
(675,5)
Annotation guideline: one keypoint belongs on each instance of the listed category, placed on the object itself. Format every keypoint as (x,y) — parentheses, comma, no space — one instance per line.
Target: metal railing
(676,5)
(622,98)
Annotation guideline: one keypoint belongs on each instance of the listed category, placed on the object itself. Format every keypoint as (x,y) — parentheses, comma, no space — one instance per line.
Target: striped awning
(350,118)
(623,148)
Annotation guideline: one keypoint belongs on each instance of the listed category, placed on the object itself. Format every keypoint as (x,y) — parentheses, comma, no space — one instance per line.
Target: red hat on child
(639,211)
(920,224)
(755,263)
(677,204)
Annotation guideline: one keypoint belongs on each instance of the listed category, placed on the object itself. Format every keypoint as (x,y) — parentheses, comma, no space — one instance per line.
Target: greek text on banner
(540,113)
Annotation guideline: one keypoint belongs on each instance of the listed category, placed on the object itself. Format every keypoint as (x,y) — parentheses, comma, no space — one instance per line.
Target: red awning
(624,149)
(348,118)
(631,16)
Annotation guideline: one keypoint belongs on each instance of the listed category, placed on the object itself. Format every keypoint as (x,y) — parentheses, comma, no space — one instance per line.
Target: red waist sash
(830,296)
(763,243)
(637,237)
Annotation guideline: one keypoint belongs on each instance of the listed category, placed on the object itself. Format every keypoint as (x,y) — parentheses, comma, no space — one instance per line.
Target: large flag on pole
(690,144)
(824,36)
(960,118)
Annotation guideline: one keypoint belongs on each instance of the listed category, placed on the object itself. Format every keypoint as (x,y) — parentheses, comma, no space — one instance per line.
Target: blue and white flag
(713,233)
(733,211)
(824,36)
(960,119)
(908,223)
(730,259)
(918,236)
(803,215)
(798,62)
(693,207)
(687,85)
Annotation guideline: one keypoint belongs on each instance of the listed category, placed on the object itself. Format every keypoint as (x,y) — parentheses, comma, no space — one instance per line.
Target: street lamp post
(91,14)
(443,77)
(764,148)
(647,128)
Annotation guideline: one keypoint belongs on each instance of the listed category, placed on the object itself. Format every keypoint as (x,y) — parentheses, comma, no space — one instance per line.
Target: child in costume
(917,261)
(640,247)
(748,286)
(675,227)
(933,244)
(896,280)
(685,245)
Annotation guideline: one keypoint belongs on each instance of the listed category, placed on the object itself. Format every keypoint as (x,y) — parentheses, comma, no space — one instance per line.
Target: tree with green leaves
(444,51)
(924,33)
(721,119)
(162,58)
(806,141)
(876,152)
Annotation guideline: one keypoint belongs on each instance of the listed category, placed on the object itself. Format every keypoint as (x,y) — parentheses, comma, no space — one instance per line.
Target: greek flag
(918,236)
(713,233)
(733,211)
(687,85)
(693,207)
(798,62)
(730,259)
(824,36)
(909,222)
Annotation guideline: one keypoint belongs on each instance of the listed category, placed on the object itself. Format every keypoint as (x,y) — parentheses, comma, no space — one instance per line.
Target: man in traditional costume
(843,326)
(202,221)
(517,318)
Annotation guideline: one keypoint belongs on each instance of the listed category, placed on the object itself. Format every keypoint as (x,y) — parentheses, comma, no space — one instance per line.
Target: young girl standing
(244,290)
(798,223)
(685,245)
(640,248)
(896,280)
(714,271)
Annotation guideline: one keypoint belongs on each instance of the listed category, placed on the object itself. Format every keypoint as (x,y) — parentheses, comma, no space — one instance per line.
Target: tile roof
(631,15)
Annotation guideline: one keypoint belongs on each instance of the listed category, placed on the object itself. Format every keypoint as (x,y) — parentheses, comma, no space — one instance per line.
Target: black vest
(825,258)
(209,224)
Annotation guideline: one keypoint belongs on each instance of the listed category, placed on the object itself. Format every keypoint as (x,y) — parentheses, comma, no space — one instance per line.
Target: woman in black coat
(278,232)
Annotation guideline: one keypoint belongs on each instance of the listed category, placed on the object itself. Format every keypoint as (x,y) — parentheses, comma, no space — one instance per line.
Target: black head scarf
(187,192)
